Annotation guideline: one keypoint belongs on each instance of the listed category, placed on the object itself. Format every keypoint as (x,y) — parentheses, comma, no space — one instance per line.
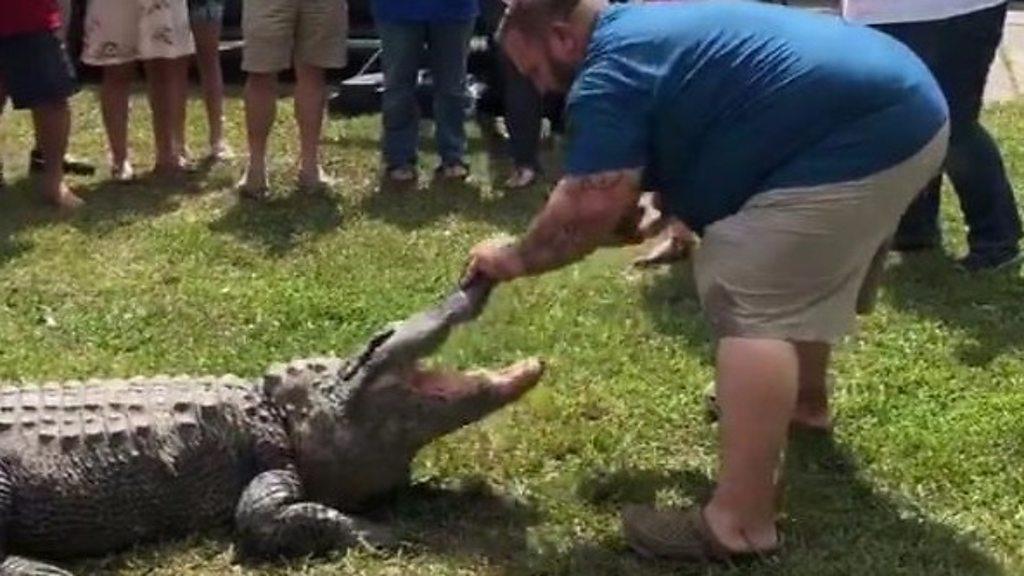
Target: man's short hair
(532,16)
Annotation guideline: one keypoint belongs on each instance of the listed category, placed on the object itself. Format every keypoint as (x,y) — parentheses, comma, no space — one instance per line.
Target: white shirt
(896,11)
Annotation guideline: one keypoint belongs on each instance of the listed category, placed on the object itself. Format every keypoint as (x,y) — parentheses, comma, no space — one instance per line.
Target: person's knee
(119,74)
(308,75)
(261,81)
(52,108)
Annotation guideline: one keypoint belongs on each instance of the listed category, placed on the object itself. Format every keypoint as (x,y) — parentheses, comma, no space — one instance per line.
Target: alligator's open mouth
(508,383)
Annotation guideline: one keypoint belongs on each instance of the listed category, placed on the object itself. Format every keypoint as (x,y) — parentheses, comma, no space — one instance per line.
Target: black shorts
(35,69)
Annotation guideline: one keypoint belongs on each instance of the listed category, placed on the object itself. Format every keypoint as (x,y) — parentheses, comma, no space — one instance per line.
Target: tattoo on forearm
(577,223)
(548,247)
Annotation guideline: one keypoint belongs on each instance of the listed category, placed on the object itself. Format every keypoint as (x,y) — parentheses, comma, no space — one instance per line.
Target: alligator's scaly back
(150,457)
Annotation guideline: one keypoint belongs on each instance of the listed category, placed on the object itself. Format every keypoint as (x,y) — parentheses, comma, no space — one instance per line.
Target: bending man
(791,142)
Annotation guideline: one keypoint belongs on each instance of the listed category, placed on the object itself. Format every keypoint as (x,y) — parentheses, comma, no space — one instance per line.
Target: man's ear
(561,39)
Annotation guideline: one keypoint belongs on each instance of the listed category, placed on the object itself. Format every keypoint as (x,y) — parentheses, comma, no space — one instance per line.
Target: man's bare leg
(114,92)
(812,404)
(260,109)
(310,100)
(52,125)
(757,391)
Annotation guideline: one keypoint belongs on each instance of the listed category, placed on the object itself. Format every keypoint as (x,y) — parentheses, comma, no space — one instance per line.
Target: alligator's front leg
(16,565)
(272,520)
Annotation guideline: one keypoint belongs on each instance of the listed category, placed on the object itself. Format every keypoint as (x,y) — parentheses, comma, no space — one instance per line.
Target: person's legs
(159,73)
(165,45)
(523,119)
(172,78)
(71,165)
(269,30)
(812,402)
(449,50)
(974,163)
(111,42)
(260,110)
(52,123)
(757,390)
(321,43)
(776,305)
(114,93)
(206,29)
(40,77)
(401,49)
(310,99)
(959,52)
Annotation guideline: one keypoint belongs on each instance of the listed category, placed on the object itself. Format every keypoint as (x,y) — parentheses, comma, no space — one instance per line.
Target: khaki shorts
(792,263)
(279,33)
(122,31)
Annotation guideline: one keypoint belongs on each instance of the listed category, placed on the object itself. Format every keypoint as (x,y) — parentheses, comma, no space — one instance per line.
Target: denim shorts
(36,69)
(206,11)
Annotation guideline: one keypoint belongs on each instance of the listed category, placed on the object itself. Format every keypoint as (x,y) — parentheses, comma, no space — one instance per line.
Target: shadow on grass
(987,306)
(411,208)
(108,206)
(280,223)
(671,302)
(836,523)
(468,518)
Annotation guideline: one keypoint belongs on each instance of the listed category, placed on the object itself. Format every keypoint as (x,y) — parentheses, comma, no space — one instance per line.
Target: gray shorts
(795,264)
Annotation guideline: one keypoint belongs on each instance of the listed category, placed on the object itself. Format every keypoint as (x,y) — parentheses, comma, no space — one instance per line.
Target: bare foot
(316,183)
(169,173)
(64,199)
(221,151)
(253,185)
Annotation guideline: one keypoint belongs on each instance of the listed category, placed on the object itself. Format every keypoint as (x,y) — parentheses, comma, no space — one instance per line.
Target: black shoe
(991,260)
(71,165)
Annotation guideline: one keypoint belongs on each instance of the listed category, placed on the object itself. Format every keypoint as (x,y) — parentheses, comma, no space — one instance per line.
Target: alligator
(291,458)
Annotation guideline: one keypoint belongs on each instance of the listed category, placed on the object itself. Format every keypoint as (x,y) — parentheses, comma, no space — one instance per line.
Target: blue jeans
(959,51)
(401,52)
(524,113)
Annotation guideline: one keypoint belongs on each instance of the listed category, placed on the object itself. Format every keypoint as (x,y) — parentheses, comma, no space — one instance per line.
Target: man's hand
(497,260)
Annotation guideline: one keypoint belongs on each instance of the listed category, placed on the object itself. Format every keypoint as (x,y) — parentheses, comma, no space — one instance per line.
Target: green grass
(924,477)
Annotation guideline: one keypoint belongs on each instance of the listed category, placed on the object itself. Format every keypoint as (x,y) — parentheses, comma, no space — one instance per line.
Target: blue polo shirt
(718,101)
(425,10)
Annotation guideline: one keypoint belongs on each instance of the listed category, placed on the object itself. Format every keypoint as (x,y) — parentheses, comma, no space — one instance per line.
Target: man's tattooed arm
(582,214)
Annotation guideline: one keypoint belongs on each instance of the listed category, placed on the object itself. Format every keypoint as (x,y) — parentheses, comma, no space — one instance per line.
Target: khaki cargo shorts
(279,33)
(798,263)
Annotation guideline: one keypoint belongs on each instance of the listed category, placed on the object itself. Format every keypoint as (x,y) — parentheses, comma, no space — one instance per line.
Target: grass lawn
(924,476)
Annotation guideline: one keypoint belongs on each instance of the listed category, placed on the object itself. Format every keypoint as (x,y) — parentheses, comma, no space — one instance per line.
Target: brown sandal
(681,535)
